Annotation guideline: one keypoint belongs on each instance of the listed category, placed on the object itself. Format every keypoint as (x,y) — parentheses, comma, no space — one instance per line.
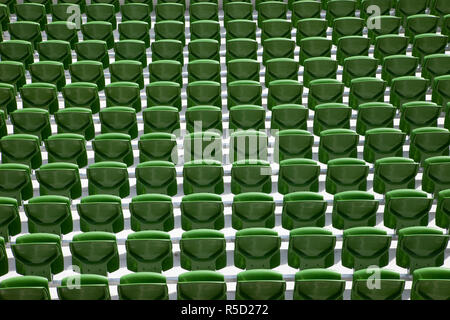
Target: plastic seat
(420,247)
(439,8)
(253,209)
(359,67)
(203,11)
(364,247)
(205,29)
(88,71)
(310,27)
(204,118)
(365,89)
(101,213)
(318,284)
(319,68)
(169,11)
(286,91)
(429,43)
(347,26)
(354,209)
(95,252)
(158,146)
(75,120)
(298,175)
(108,178)
(119,120)
(311,247)
(390,286)
(95,50)
(404,8)
(17,50)
(248,144)
(289,116)
(202,211)
(203,249)
(164,93)
(25,288)
(293,144)
(203,176)
(137,11)
(314,47)
(239,10)
(398,66)
(151,212)
(241,48)
(350,46)
(13,73)
(25,31)
(390,45)
(161,119)
(33,121)
(98,30)
(440,89)
(325,91)
(10,4)
(275,48)
(346,174)
(246,117)
(260,284)
(419,114)
(203,146)
(331,116)
(67,147)
(206,93)
(113,147)
(383,25)
(408,89)
(282,69)
(394,173)
(430,284)
(167,50)
(21,148)
(384,5)
(81,94)
(419,24)
(271,10)
(240,28)
(135,30)
(4,16)
(10,224)
(123,93)
(48,72)
(337,143)
(16,181)
(446,25)
(244,92)
(91,287)
(115,3)
(62,10)
(340,8)
(304,10)
(40,95)
(257,248)
(275,28)
(303,209)
(34,12)
(38,254)
(201,285)
(435,177)
(435,65)
(149,251)
(49,214)
(204,49)
(374,115)
(130,50)
(156,177)
(201,70)
(170,29)
(383,142)
(243,69)
(101,12)
(442,210)
(428,142)
(251,176)
(59,178)
(126,71)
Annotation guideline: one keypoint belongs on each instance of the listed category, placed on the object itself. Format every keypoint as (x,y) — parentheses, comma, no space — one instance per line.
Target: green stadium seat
(203,11)
(440,90)
(33,121)
(202,146)
(383,25)
(203,176)
(108,177)
(75,120)
(374,115)
(161,119)
(149,251)
(442,210)
(88,71)
(55,50)
(10,224)
(337,143)
(364,247)
(101,213)
(91,287)
(201,285)
(167,50)
(123,93)
(346,174)
(240,28)
(340,8)
(126,71)
(16,181)
(157,146)
(82,94)
(325,91)
(207,93)
(17,50)
(130,50)
(350,46)
(204,49)
(237,11)
(4,16)
(331,116)
(10,4)
(59,178)
(318,284)
(282,66)
(49,214)
(63,31)
(293,144)
(62,10)
(408,89)
(428,142)
(164,93)
(251,176)
(202,211)
(298,174)
(257,248)
(95,50)
(241,48)
(390,45)
(101,12)
(303,209)
(205,29)
(170,29)
(358,67)
(383,142)
(40,95)
(119,120)
(314,47)
(34,12)
(242,69)
(379,285)
(310,27)
(21,148)
(311,247)
(319,68)
(398,66)
(115,3)
(420,247)
(282,91)
(249,144)
(156,177)
(203,249)
(151,212)
(24,288)
(276,28)
(67,147)
(304,10)
(244,92)
(113,147)
(200,70)
(169,11)
(38,254)
(384,5)
(429,43)
(48,72)
(419,114)
(347,26)
(260,284)
(439,8)
(246,117)
(136,11)
(430,284)
(404,8)
(271,10)
(13,73)
(435,177)
(421,23)
(203,118)
(98,30)
(95,252)
(393,173)
(354,209)
(253,209)
(290,116)
(274,48)
(8,102)
(446,25)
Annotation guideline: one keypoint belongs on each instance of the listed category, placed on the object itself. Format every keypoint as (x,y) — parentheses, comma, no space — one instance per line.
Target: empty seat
(363,90)
(347,26)
(340,8)
(383,142)
(204,49)
(95,50)
(4,16)
(446,25)
(203,11)
(113,147)
(246,117)
(11,72)
(8,102)
(331,116)
(310,27)
(119,120)
(374,115)
(271,10)
(149,251)
(202,211)
(428,142)
(393,173)
(10,224)
(314,47)
(303,209)
(98,30)
(354,209)
(89,287)
(40,95)
(207,93)
(203,146)
(285,90)
(33,121)
(418,114)
(123,94)
(202,70)
(420,247)
(298,175)
(38,254)
(101,213)
(276,28)
(346,174)
(251,176)
(439,8)
(389,45)
(275,48)
(311,247)
(203,176)
(383,25)
(49,214)
(101,12)
(325,91)
(201,285)
(237,11)
(244,92)
(135,30)
(304,10)
(170,29)
(440,90)
(203,249)
(430,284)
(260,285)
(88,71)
(59,178)
(350,46)
(364,247)
(95,252)
(130,50)
(108,178)
(249,144)
(318,284)
(289,116)
(384,5)
(48,72)
(404,8)
(55,50)
(161,119)
(21,148)
(115,3)
(167,50)
(151,212)
(435,177)
(169,11)
(429,43)
(241,48)
(136,11)
(281,69)
(319,68)
(75,120)
(67,147)
(17,50)
(205,29)
(204,118)
(156,177)
(396,66)
(253,209)
(25,31)
(25,288)
(408,89)
(419,24)
(257,248)
(388,286)
(292,144)
(158,146)
(359,67)
(337,143)
(62,10)
(164,93)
